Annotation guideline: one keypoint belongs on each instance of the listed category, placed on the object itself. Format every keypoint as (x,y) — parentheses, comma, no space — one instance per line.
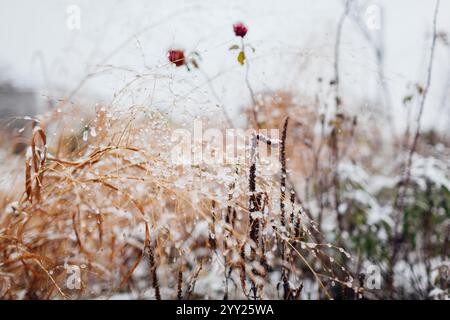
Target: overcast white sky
(294,41)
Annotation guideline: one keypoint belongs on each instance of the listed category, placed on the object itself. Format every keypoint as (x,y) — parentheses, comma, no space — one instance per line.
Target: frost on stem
(284,249)
(283,173)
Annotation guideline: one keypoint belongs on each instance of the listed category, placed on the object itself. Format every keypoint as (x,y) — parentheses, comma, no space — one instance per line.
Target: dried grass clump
(106,198)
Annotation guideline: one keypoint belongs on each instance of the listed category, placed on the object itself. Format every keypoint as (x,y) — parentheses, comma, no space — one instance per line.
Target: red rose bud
(176,57)
(240,30)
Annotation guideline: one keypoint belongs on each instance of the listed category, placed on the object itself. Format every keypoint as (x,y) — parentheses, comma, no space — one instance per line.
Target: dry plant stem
(297,198)
(227,279)
(338,103)
(337,53)
(242,269)
(336,180)
(292,220)
(283,173)
(304,210)
(37,162)
(229,222)
(250,89)
(399,204)
(253,201)
(212,228)
(180,284)
(263,258)
(153,269)
(191,286)
(284,253)
(253,207)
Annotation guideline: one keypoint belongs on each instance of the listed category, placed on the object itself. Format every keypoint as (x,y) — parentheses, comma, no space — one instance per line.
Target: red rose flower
(240,30)
(176,57)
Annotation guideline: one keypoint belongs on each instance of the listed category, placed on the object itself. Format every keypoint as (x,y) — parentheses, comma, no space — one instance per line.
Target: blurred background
(52,49)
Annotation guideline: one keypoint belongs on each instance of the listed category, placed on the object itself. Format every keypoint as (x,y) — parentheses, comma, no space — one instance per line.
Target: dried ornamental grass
(136,224)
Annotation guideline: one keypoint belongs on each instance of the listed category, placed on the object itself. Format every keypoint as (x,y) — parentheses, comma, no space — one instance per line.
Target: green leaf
(241,57)
(234,47)
(407,99)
